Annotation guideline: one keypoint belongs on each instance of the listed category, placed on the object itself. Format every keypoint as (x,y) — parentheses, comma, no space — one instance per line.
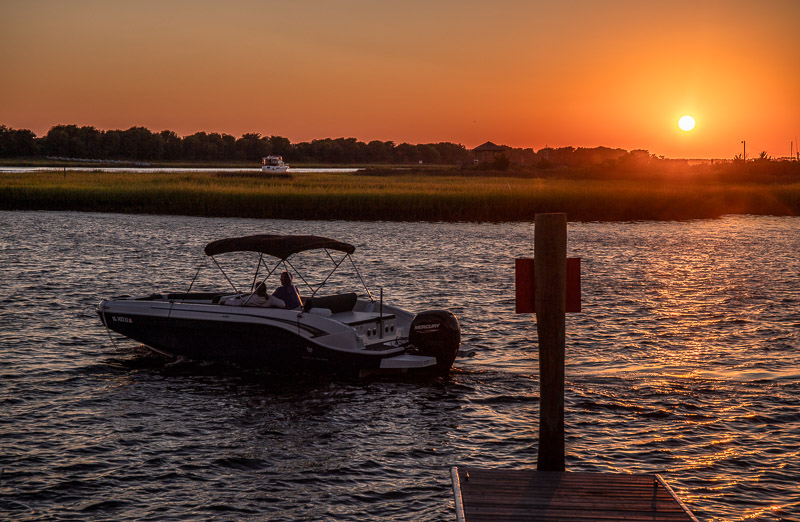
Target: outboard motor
(436,333)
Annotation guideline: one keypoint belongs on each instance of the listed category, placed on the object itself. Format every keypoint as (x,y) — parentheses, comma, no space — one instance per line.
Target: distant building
(487,152)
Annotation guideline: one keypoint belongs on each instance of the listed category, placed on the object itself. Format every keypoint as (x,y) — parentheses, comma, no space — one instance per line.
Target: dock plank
(500,494)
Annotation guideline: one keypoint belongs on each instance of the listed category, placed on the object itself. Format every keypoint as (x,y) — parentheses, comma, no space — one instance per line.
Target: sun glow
(686,123)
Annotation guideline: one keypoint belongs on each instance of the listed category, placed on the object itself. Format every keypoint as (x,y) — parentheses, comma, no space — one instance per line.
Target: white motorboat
(339,333)
(274,164)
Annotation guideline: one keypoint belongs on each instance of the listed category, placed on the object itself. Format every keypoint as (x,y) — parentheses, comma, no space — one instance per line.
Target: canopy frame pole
(255,276)
(258,267)
(172,301)
(193,279)
(296,271)
(329,255)
(336,266)
(362,280)
(270,271)
(226,275)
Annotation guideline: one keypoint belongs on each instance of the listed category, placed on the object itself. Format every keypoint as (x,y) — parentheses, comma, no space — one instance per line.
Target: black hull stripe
(315,332)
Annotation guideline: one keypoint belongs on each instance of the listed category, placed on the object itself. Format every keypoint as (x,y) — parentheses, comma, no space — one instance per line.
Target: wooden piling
(550,493)
(550,251)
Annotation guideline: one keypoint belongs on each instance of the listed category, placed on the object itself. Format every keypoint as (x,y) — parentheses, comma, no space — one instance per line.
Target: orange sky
(520,73)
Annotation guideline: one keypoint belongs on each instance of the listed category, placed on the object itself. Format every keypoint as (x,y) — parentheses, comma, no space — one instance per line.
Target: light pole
(744,151)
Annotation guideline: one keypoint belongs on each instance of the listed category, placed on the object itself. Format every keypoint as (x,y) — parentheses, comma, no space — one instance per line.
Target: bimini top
(275,245)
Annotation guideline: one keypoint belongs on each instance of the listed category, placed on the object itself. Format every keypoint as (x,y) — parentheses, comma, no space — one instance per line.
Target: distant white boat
(274,164)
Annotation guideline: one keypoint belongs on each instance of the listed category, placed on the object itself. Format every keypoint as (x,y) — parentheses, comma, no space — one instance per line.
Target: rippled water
(685,362)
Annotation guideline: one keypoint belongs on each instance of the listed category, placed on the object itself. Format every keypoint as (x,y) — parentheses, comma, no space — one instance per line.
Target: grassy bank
(398,197)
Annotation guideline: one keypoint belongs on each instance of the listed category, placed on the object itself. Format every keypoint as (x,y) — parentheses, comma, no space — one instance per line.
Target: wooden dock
(500,494)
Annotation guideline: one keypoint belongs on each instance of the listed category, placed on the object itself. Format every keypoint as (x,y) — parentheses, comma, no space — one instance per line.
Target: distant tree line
(140,144)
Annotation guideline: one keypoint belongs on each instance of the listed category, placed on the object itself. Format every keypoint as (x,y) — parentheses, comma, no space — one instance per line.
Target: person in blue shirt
(287,292)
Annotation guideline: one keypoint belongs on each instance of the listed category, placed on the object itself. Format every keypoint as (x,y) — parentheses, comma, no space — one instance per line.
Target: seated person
(287,292)
(260,298)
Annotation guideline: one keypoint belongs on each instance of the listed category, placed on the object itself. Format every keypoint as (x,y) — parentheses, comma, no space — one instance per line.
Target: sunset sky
(519,73)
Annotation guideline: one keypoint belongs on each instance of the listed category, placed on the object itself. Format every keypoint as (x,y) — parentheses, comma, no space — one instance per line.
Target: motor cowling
(436,333)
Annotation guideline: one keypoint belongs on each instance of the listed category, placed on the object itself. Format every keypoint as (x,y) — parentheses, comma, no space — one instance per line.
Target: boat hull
(198,339)
(249,336)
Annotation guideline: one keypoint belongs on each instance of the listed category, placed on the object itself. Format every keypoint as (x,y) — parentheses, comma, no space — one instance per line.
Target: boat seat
(334,303)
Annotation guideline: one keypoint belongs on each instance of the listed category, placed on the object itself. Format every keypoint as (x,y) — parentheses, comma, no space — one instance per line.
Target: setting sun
(686,123)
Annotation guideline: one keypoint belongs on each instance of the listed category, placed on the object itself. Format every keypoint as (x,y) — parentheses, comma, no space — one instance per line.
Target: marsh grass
(407,196)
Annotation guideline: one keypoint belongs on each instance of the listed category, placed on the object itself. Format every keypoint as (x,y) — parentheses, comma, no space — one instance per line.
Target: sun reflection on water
(684,362)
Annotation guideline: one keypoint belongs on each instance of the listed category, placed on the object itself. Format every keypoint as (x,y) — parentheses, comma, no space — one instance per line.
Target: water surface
(684,362)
